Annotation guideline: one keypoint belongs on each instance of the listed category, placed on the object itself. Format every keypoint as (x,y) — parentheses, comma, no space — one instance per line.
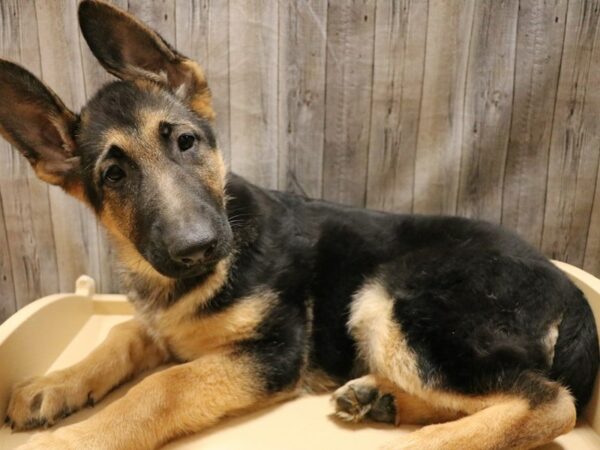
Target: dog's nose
(192,253)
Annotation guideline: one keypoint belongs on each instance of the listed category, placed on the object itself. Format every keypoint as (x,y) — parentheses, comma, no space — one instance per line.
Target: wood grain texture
(439,139)
(575,142)
(487,109)
(253,56)
(540,32)
(591,262)
(484,109)
(399,62)
(350,33)
(8,301)
(301,91)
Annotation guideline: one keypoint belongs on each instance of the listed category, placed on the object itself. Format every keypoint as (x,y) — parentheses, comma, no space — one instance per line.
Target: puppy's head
(142,153)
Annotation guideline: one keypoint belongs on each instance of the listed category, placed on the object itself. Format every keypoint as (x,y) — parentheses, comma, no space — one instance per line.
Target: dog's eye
(165,129)
(185,141)
(113,174)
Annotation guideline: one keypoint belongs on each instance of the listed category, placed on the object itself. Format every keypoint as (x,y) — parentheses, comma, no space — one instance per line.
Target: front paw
(42,401)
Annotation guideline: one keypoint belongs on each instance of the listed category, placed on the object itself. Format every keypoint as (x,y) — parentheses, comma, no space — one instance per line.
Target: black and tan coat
(259,296)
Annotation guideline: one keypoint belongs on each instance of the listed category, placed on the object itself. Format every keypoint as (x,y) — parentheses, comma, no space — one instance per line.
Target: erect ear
(130,50)
(35,121)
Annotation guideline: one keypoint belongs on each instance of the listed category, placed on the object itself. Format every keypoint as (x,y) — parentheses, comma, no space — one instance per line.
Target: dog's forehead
(127,114)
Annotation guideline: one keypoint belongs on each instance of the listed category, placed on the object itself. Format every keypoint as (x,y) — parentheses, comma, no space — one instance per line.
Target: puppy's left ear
(130,50)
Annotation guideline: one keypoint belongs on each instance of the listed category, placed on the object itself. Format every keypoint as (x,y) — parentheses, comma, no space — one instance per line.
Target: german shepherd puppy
(262,295)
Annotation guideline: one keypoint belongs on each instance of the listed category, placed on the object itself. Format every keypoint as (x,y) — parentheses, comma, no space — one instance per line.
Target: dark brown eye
(165,129)
(113,174)
(185,141)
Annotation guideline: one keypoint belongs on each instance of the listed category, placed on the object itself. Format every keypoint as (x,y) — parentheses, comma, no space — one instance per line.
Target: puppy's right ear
(34,120)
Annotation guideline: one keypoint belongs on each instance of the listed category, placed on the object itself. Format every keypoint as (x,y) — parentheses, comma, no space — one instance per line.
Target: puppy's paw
(42,401)
(360,399)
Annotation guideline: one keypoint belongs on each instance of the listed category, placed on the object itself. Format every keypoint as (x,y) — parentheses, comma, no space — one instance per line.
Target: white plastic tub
(59,330)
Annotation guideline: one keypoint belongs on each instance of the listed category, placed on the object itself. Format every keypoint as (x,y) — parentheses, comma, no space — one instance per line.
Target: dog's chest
(188,335)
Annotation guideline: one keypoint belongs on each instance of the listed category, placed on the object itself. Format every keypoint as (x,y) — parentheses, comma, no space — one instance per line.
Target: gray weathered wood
(301,92)
(439,141)
(485,109)
(253,28)
(539,50)
(350,33)
(159,15)
(591,262)
(8,300)
(574,154)
(399,61)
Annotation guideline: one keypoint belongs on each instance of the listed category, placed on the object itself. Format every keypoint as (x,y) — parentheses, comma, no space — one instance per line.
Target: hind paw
(361,399)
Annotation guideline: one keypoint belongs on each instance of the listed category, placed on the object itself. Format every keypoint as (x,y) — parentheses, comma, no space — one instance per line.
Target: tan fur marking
(413,410)
(214,174)
(126,351)
(380,340)
(118,137)
(75,189)
(212,171)
(549,341)
(186,306)
(191,336)
(492,422)
(201,99)
(316,381)
(179,400)
(382,345)
(148,85)
(506,424)
(128,255)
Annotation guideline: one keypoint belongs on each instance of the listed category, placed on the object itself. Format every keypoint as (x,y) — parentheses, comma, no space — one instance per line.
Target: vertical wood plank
(158,14)
(540,34)
(75,229)
(302,47)
(253,59)
(574,156)
(591,262)
(8,299)
(402,105)
(399,61)
(202,34)
(350,33)
(487,109)
(439,141)
(25,200)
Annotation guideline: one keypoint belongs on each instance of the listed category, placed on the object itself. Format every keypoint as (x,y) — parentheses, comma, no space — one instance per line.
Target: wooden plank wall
(485,108)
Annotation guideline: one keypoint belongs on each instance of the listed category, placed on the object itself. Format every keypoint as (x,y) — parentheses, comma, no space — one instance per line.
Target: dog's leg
(508,423)
(126,351)
(376,399)
(529,411)
(174,402)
